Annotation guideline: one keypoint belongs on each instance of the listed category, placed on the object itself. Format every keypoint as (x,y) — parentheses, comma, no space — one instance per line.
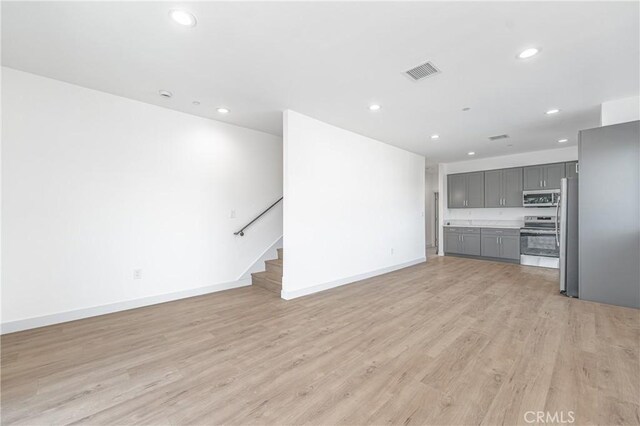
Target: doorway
(436,220)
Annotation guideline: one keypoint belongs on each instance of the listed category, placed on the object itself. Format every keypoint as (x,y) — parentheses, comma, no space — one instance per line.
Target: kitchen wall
(96,186)
(353,206)
(569,153)
(620,110)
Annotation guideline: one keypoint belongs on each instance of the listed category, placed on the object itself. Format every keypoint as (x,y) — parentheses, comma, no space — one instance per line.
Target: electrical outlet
(137,274)
(232,214)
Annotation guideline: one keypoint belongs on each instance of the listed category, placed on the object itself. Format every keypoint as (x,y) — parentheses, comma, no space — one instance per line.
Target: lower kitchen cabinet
(500,243)
(490,246)
(462,241)
(452,242)
(510,247)
(471,244)
(494,243)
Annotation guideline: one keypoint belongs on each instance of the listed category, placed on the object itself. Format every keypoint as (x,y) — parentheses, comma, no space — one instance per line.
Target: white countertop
(507,224)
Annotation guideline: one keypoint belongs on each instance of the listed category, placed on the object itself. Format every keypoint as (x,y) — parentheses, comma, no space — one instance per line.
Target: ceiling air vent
(422,71)
(498,137)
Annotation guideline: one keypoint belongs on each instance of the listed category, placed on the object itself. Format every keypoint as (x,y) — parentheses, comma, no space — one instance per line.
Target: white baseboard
(29,323)
(288,295)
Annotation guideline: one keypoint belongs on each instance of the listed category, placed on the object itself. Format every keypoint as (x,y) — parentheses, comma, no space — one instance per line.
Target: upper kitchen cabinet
(475,189)
(503,188)
(553,176)
(571,169)
(465,190)
(545,176)
(457,191)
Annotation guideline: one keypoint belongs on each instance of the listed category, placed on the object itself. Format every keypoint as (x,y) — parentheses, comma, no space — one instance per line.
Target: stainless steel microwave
(541,198)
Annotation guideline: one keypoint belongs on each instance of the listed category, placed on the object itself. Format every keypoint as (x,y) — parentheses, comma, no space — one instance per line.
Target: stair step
(267,280)
(274,266)
(280,253)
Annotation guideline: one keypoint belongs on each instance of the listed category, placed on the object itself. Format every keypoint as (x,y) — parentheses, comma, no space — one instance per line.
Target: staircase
(271,279)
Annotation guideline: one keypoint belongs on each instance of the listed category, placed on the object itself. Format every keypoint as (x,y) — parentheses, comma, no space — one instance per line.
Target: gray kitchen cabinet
(553,174)
(510,247)
(462,241)
(609,215)
(457,191)
(571,169)
(452,241)
(503,188)
(471,244)
(545,176)
(490,246)
(512,187)
(493,188)
(532,177)
(501,243)
(465,190)
(475,189)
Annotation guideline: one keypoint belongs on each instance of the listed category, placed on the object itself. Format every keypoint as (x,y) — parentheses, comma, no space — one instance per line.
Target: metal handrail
(241,231)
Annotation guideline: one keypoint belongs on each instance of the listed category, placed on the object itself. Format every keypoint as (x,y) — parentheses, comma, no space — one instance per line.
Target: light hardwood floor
(453,341)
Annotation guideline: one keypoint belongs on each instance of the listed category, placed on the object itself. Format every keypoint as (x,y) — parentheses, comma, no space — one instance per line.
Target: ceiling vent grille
(498,137)
(422,71)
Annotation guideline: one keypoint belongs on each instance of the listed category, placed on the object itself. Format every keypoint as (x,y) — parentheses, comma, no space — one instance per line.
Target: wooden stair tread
(268,281)
(266,275)
(271,279)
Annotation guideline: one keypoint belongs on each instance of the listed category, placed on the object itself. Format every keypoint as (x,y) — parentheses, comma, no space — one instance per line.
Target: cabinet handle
(497,240)
(545,183)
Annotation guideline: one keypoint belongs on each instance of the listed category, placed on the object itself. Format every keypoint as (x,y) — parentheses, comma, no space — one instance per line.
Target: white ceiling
(330,60)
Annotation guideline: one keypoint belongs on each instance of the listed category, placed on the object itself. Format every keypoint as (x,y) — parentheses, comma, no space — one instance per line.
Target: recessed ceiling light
(527,53)
(435,136)
(552,111)
(182,17)
(196,102)
(223,110)
(471,153)
(165,93)
(563,140)
(374,107)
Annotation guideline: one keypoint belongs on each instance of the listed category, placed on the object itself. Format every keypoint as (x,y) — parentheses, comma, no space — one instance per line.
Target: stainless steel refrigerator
(567,236)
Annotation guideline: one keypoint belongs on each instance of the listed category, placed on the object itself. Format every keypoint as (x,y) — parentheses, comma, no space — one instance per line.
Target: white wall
(95,186)
(354,206)
(620,111)
(504,214)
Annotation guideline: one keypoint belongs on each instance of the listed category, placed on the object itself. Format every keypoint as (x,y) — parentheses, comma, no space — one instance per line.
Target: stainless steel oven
(541,198)
(539,243)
